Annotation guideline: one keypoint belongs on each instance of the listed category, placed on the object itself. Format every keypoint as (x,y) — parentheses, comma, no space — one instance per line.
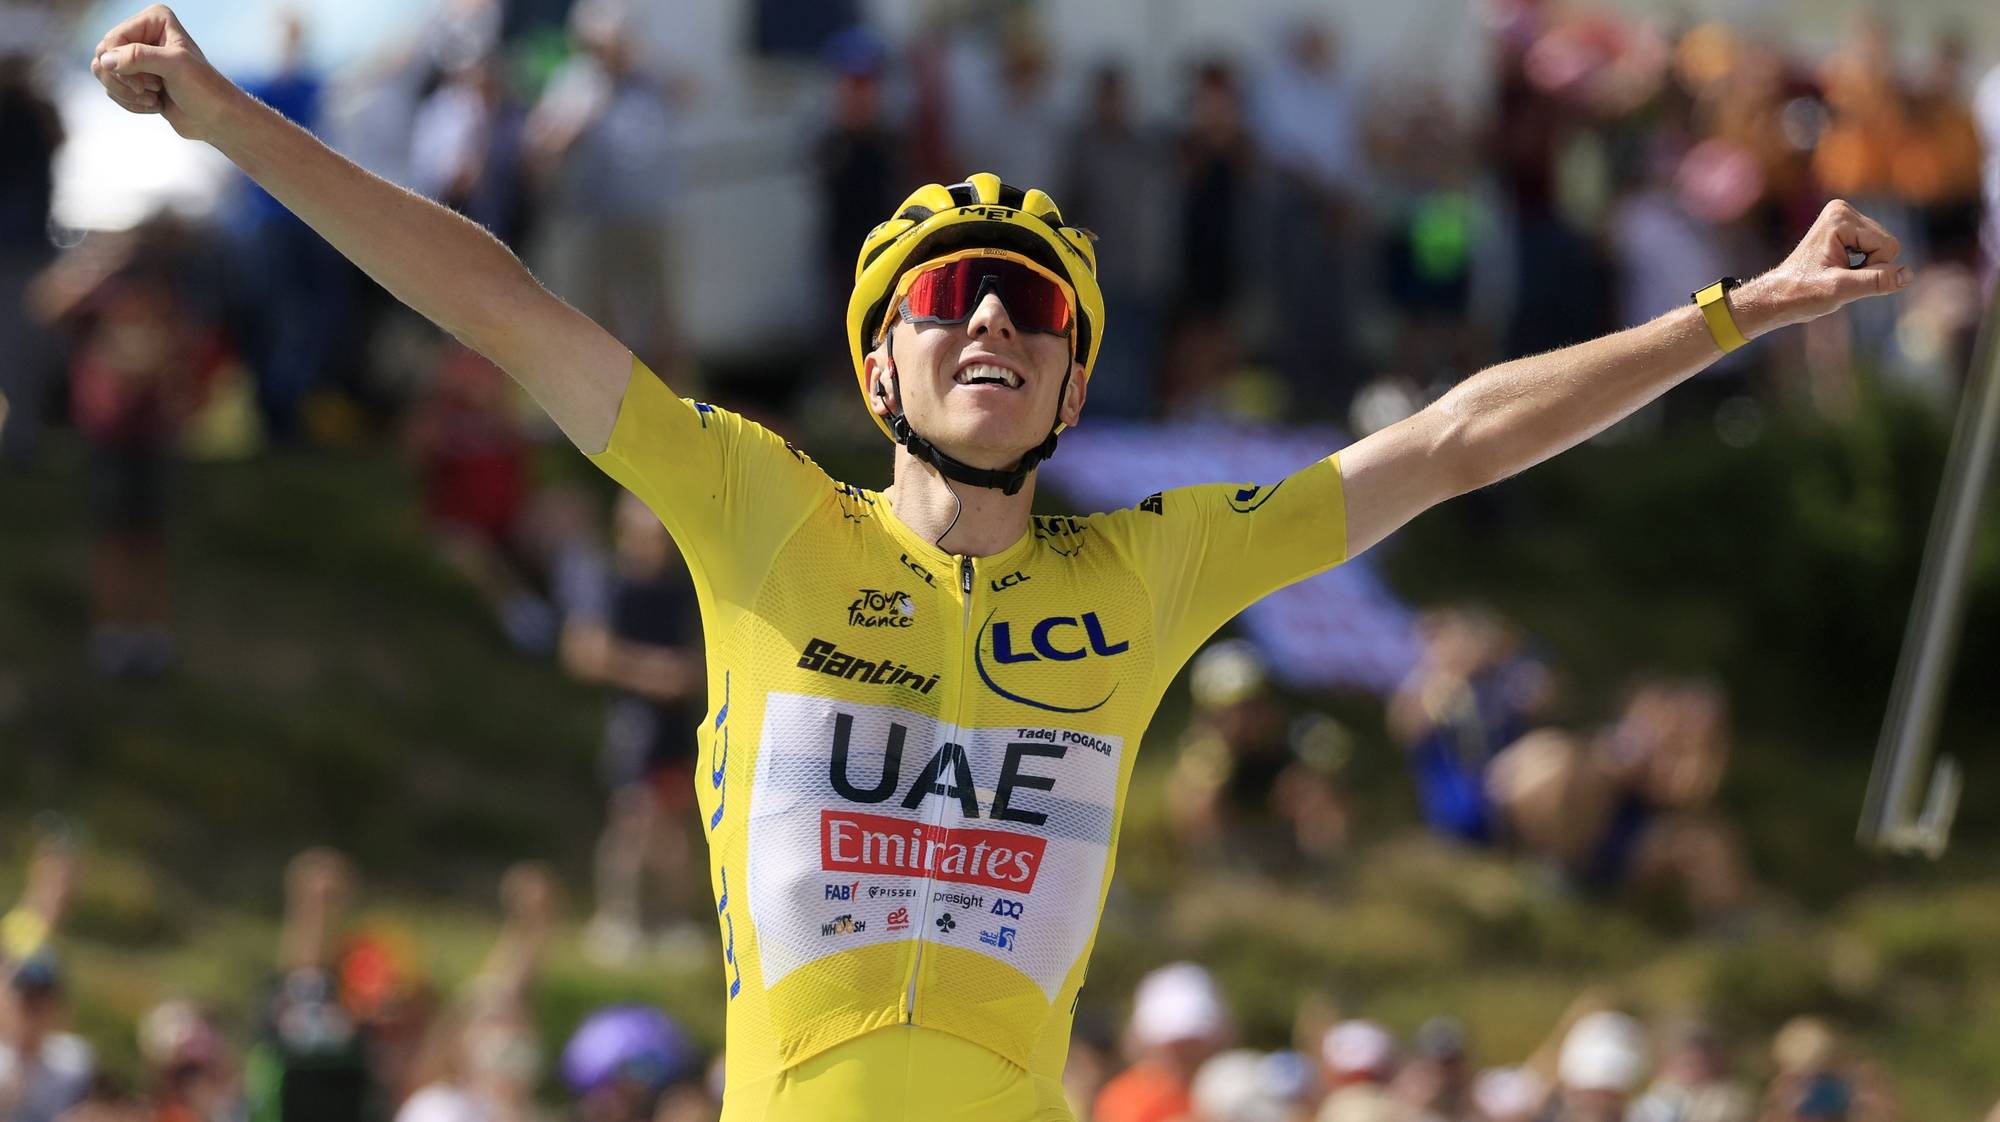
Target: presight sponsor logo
(971,901)
(877,608)
(828,659)
(852,842)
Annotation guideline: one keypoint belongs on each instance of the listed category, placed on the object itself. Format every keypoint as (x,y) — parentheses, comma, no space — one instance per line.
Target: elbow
(1457,450)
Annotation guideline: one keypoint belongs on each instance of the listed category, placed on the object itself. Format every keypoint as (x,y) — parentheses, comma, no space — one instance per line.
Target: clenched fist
(149,64)
(1845,256)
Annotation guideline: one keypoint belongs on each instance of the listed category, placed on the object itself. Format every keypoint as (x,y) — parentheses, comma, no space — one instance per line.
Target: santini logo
(830,660)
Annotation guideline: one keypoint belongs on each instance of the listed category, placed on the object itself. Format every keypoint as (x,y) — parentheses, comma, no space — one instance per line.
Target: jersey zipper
(937,817)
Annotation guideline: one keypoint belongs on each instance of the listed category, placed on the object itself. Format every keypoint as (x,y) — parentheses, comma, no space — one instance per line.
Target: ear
(1072,403)
(882,396)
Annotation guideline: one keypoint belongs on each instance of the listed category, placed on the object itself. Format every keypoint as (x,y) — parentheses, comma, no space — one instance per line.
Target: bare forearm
(448,269)
(1513,416)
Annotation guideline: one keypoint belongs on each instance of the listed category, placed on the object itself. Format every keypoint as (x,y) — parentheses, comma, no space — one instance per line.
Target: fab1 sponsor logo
(874,607)
(827,658)
(899,920)
(852,842)
(1003,938)
(843,891)
(843,925)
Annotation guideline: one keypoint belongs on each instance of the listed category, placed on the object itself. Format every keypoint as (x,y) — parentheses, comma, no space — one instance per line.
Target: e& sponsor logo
(852,842)
(875,607)
(899,920)
(829,659)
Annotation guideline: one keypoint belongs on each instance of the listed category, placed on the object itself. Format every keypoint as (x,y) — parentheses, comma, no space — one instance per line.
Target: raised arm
(1517,414)
(450,270)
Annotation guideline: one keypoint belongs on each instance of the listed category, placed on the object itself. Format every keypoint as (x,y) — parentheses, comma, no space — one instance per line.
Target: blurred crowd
(348,1028)
(1296,236)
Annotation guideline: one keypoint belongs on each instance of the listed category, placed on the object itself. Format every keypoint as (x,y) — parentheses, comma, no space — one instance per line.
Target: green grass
(339,687)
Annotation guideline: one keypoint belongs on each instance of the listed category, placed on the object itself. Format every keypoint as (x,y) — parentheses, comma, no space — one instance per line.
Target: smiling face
(984,391)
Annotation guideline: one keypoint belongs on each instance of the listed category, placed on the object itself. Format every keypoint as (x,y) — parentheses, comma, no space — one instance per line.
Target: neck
(923,500)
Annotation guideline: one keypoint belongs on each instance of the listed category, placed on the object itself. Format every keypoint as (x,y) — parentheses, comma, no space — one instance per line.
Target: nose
(990,318)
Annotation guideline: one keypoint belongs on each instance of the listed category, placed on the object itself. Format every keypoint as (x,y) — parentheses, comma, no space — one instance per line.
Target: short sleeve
(1207,552)
(730,491)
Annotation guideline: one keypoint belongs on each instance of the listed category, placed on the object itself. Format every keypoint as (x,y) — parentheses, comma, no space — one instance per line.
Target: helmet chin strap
(1007,481)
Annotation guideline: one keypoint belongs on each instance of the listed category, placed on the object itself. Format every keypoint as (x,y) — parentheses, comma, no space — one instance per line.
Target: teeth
(980,370)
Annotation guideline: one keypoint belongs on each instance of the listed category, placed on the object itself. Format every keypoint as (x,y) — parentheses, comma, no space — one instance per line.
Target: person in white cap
(1603,1064)
(1360,1058)
(1179,1020)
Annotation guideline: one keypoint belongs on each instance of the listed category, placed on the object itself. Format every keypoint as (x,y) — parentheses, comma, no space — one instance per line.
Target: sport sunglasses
(949,289)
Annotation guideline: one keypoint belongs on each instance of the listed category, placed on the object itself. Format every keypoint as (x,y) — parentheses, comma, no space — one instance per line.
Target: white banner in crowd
(1342,628)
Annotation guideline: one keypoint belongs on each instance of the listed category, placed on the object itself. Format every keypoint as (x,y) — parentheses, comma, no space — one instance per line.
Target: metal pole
(1890,816)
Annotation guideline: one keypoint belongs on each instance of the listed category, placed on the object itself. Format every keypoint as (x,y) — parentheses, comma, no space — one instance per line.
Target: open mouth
(986,374)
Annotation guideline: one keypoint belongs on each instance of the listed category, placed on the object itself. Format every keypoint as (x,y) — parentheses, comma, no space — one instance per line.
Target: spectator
(1937,162)
(43,1070)
(1179,1020)
(1694,1084)
(295,285)
(1243,1085)
(466,148)
(1304,120)
(1248,785)
(1215,184)
(858,159)
(188,1065)
(144,354)
(30,134)
(1509,1094)
(1117,184)
(309,1062)
(600,139)
(1633,806)
(1359,1058)
(1602,1065)
(472,449)
(1473,692)
(639,631)
(1817,1081)
(631,1063)
(1437,1081)
(481,1059)
(1008,121)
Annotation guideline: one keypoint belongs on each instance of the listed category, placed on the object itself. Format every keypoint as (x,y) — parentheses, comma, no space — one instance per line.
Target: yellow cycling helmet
(981,212)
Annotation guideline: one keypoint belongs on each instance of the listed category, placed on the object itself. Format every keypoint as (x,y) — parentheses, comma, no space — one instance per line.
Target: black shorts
(128,488)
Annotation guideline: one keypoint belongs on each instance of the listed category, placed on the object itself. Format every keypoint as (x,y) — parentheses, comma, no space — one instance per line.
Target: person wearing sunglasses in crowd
(924,703)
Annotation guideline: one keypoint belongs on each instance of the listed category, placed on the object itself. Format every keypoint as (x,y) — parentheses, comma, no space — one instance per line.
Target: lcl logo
(1054,639)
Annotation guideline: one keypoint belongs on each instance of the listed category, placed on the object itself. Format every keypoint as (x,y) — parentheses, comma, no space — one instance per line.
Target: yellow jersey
(913,766)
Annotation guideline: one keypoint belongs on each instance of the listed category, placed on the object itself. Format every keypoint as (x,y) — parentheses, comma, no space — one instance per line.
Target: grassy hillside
(337,686)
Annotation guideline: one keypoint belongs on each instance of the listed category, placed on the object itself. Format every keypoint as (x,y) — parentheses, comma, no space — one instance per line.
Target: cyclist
(924,702)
